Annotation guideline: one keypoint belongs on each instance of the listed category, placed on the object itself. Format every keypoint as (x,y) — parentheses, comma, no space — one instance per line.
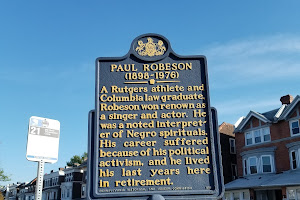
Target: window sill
(257,144)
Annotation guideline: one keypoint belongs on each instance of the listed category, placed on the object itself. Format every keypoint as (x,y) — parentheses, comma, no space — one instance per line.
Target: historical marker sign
(153,131)
(43,139)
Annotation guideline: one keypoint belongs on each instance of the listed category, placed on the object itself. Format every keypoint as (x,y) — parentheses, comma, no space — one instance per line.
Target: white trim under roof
(248,117)
(237,123)
(279,112)
(289,108)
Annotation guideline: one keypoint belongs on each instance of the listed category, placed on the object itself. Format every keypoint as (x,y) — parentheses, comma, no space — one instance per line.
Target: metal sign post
(39,181)
(42,146)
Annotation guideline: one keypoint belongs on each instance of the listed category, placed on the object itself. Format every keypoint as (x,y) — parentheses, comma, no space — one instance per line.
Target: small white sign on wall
(43,139)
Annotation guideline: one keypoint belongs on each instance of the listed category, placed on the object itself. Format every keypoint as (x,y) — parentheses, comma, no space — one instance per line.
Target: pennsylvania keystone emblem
(150,48)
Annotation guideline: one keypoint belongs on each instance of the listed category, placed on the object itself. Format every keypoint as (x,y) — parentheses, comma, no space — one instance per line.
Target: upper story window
(258,165)
(257,136)
(47,182)
(232,145)
(294,127)
(68,177)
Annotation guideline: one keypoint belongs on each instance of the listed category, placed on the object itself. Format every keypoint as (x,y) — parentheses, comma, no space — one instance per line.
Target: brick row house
(52,184)
(72,184)
(228,151)
(66,184)
(268,154)
(27,190)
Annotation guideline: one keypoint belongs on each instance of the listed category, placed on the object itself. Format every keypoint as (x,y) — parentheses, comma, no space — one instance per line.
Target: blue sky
(48,50)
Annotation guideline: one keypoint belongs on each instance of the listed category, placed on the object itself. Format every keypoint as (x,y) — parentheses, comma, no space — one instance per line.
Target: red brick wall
(255,122)
(239,143)
(278,131)
(294,114)
(248,125)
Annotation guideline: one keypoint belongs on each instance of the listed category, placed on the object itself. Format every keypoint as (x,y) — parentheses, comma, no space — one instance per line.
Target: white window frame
(251,134)
(83,191)
(295,190)
(229,195)
(245,166)
(259,136)
(261,133)
(259,164)
(230,146)
(256,164)
(291,129)
(271,163)
(297,151)
(264,133)
(234,169)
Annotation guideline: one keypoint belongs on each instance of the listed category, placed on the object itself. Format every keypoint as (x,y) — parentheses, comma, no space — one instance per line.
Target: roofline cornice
(248,117)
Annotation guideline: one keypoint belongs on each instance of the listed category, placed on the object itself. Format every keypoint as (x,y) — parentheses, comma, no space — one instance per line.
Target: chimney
(287,99)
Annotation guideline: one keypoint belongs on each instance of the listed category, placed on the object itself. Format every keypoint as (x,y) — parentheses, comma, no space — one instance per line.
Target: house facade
(83,167)
(71,186)
(30,190)
(52,183)
(268,154)
(12,191)
(228,151)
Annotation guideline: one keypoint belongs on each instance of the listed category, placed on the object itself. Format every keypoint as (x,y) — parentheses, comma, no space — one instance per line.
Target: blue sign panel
(153,134)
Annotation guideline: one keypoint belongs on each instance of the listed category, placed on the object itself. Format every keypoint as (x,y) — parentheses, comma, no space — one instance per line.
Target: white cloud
(261,59)
(242,105)
(252,74)
(251,47)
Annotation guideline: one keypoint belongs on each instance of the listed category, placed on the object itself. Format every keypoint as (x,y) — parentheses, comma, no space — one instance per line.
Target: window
(227,196)
(258,164)
(294,159)
(266,164)
(236,196)
(83,191)
(249,138)
(258,136)
(266,134)
(294,126)
(294,194)
(232,145)
(246,195)
(245,167)
(253,165)
(234,171)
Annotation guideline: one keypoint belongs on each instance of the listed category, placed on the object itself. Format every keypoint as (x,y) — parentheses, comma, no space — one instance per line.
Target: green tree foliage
(77,159)
(3,177)
(84,156)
